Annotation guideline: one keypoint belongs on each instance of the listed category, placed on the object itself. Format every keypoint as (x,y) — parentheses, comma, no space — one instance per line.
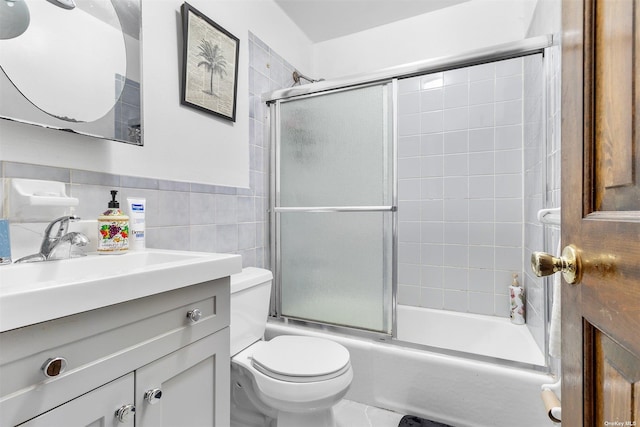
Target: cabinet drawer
(102,344)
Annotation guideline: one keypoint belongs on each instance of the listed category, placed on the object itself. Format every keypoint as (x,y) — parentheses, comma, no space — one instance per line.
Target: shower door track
(479,56)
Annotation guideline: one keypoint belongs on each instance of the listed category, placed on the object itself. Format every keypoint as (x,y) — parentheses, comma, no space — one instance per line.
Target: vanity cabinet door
(189,387)
(98,408)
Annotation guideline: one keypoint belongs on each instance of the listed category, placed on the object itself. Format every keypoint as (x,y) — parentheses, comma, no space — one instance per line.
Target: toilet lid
(302,359)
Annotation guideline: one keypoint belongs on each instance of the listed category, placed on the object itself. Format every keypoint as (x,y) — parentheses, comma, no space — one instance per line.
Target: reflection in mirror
(75,68)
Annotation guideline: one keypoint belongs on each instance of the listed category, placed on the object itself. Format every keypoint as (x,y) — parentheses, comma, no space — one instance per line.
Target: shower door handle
(570,264)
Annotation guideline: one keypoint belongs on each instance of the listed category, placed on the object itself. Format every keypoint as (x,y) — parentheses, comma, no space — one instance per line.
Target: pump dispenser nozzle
(515,280)
(114,203)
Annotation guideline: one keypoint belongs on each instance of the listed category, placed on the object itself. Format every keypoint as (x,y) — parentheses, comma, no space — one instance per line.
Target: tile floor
(354,414)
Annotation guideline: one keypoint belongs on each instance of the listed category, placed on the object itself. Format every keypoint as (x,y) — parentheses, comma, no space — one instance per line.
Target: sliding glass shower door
(333,201)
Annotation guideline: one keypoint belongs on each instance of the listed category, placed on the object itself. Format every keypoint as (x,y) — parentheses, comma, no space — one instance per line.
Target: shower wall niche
(463,146)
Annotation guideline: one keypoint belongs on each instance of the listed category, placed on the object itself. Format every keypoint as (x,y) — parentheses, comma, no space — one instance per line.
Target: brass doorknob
(569,264)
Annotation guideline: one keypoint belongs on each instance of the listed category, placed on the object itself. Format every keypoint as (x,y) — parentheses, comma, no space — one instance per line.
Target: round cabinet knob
(570,264)
(125,412)
(194,315)
(54,367)
(153,396)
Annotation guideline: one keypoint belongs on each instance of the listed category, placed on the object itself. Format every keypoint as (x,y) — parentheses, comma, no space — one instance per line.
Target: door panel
(333,201)
(194,382)
(617,163)
(600,212)
(616,373)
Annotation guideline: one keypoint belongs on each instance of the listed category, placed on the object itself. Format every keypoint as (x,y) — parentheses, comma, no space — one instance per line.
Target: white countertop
(37,292)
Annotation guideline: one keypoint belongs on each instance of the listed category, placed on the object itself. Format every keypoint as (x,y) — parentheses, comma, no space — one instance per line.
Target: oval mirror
(76,67)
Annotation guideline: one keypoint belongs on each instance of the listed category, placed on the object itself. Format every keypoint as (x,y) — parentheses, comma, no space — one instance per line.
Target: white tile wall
(465,133)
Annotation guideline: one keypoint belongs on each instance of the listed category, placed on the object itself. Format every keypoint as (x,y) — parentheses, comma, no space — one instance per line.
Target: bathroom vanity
(157,352)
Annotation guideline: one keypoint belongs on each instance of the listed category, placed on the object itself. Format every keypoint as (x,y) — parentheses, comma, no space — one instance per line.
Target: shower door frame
(521,48)
(274,208)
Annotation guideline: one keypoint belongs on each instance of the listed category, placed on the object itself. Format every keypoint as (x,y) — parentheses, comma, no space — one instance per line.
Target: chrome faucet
(55,238)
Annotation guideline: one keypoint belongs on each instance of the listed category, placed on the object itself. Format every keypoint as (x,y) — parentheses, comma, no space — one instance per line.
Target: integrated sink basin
(40,291)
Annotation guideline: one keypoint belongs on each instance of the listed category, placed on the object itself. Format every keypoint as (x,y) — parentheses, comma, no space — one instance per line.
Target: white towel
(556,316)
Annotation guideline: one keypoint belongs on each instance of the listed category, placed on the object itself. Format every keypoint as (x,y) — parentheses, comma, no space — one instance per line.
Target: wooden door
(601,212)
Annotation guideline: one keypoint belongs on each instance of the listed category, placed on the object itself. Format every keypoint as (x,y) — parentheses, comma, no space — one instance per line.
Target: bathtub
(471,333)
(459,391)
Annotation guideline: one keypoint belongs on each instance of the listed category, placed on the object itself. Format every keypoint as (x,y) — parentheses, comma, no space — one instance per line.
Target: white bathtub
(455,390)
(472,333)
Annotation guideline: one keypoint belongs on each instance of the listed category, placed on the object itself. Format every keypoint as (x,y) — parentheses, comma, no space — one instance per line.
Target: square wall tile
(481,139)
(455,301)
(409,103)
(482,72)
(431,144)
(454,77)
(408,146)
(508,113)
(481,233)
(481,92)
(508,137)
(481,303)
(509,88)
(481,280)
(409,274)
(481,257)
(431,298)
(411,84)
(455,119)
(481,116)
(432,100)
(456,96)
(456,278)
(509,67)
(408,295)
(456,142)
(431,81)
(432,276)
(431,122)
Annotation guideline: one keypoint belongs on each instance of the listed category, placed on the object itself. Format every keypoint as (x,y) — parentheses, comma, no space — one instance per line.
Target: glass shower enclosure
(334,205)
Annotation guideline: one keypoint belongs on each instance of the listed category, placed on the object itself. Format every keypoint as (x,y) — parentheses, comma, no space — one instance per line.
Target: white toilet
(290,381)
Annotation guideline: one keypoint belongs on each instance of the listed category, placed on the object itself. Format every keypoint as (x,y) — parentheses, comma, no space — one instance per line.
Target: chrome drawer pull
(54,367)
(153,396)
(125,412)
(194,315)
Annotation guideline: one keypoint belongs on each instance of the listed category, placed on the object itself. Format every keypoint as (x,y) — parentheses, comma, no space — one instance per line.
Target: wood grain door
(601,212)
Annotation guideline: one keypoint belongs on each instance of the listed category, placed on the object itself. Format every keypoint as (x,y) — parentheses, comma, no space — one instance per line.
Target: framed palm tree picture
(209,65)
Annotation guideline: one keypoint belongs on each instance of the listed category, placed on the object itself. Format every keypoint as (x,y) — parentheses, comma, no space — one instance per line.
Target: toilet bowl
(289,381)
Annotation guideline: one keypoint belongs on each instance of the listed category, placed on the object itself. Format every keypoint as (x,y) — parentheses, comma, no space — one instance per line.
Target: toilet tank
(250,295)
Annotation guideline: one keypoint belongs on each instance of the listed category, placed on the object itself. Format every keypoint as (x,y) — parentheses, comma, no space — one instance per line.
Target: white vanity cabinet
(161,360)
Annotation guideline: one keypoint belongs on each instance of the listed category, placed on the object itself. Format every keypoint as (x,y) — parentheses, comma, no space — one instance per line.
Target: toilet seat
(301,359)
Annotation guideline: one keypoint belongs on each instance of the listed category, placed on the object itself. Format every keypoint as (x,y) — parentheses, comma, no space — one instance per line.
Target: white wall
(463,27)
(181,143)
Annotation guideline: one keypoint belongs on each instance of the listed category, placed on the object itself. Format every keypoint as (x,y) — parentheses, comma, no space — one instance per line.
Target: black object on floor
(411,421)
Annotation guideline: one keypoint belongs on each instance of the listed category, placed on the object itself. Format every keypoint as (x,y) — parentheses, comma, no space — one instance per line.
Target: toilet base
(321,418)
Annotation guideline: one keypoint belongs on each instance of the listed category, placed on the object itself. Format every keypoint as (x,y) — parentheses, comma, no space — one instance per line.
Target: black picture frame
(209,65)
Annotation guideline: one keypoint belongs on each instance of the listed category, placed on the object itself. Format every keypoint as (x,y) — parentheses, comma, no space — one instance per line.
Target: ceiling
(323,20)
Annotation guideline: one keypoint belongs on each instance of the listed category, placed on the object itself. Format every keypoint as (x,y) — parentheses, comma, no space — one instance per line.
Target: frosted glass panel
(335,149)
(336,268)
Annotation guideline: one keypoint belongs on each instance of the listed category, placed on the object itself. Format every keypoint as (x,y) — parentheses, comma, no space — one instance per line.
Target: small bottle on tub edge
(517,301)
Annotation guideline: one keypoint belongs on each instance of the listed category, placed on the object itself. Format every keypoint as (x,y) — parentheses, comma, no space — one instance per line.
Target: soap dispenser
(113,227)
(516,293)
